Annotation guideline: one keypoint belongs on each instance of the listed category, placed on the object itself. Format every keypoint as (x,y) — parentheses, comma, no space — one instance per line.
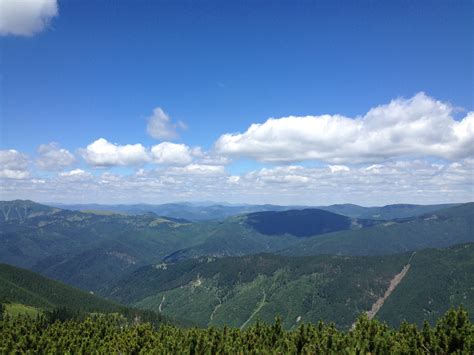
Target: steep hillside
(28,288)
(237,291)
(436,280)
(26,292)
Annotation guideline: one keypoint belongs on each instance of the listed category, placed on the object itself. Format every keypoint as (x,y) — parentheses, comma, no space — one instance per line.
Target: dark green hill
(26,287)
(300,223)
(237,290)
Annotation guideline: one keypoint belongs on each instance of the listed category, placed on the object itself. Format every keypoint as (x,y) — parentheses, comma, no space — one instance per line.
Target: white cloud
(103,153)
(338,168)
(171,154)
(76,174)
(52,157)
(160,126)
(26,17)
(13,164)
(416,127)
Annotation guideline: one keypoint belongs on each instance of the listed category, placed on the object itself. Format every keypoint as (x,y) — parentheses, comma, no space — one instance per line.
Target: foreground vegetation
(453,333)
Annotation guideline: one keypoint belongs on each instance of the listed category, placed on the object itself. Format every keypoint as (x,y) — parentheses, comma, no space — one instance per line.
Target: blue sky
(98,69)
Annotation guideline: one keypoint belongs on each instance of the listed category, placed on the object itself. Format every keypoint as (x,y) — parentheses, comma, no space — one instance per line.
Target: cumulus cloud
(160,125)
(102,153)
(416,127)
(171,154)
(52,157)
(26,17)
(13,164)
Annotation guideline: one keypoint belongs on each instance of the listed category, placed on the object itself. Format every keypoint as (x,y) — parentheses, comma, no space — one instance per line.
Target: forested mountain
(239,290)
(90,250)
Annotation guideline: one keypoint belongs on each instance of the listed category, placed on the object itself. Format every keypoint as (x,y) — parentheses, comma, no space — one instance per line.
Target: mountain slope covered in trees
(238,291)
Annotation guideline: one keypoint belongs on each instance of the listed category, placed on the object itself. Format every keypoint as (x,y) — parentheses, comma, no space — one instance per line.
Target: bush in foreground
(453,333)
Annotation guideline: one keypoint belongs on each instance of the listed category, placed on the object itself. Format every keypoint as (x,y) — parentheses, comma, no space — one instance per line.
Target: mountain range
(243,266)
